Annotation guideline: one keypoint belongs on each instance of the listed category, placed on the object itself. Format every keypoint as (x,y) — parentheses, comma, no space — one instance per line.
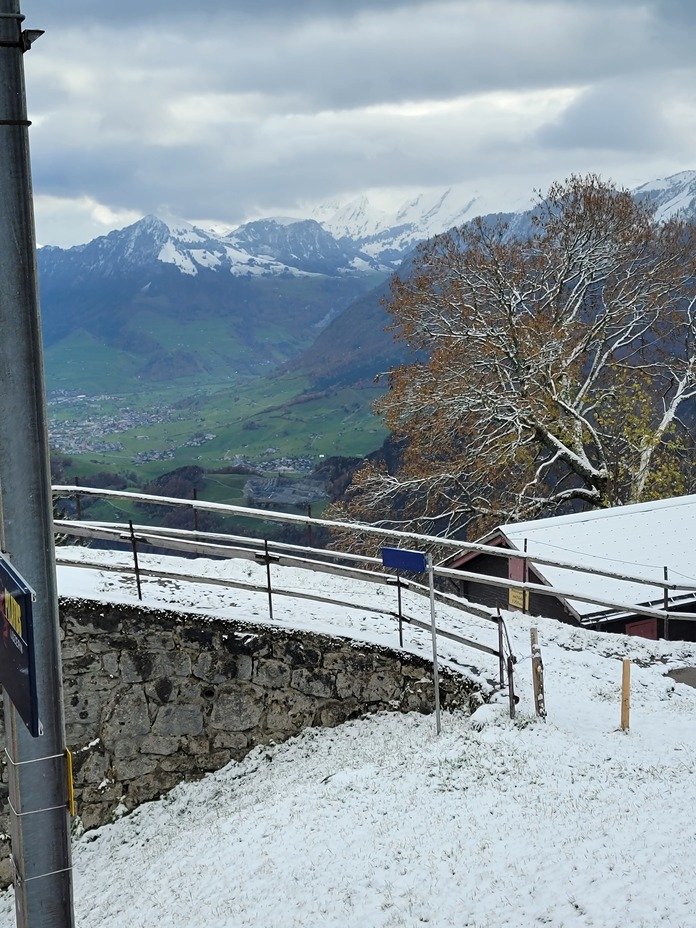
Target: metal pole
(512,699)
(401,616)
(268,579)
(134,548)
(37,768)
(436,673)
(665,626)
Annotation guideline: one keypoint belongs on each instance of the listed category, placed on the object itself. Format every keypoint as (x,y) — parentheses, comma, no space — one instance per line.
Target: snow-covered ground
(567,822)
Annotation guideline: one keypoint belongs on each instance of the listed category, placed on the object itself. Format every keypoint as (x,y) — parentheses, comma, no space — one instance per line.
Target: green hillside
(253,420)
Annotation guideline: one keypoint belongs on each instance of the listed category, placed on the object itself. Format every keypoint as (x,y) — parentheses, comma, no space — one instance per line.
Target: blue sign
(402,559)
(17,663)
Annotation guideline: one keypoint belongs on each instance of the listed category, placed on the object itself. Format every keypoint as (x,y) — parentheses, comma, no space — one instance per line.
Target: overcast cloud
(220,111)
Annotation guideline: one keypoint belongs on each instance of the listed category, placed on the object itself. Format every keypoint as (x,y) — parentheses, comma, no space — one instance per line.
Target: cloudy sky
(218,111)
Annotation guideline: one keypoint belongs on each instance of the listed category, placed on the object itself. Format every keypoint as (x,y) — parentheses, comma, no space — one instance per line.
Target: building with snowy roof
(625,556)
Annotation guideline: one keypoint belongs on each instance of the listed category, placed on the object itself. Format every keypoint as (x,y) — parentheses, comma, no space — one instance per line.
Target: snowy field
(567,822)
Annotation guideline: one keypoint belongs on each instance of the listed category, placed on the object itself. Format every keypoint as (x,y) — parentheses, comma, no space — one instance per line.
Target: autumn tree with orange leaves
(551,371)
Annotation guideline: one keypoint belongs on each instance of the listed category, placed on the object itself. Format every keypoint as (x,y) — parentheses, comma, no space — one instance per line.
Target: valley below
(267,424)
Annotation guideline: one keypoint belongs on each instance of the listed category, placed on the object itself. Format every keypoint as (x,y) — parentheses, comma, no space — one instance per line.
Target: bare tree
(549,371)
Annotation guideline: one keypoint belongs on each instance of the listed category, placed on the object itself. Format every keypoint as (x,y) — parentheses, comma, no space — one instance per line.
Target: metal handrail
(617,608)
(368,529)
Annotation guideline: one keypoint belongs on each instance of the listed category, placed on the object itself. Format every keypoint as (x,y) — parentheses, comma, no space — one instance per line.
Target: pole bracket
(19,879)
(26,37)
(34,760)
(33,811)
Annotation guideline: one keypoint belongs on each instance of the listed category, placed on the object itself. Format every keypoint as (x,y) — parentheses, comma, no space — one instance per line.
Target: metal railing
(261,551)
(184,540)
(222,545)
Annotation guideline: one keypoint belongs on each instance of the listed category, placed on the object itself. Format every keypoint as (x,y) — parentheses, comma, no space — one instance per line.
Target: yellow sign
(518,599)
(12,611)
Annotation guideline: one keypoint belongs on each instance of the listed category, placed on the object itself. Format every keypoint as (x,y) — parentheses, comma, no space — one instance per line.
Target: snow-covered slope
(672,196)
(381,824)
(384,234)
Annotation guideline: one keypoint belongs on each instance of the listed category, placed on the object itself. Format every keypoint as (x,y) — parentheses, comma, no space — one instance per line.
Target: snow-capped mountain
(337,238)
(351,238)
(292,276)
(414,220)
(673,196)
(269,247)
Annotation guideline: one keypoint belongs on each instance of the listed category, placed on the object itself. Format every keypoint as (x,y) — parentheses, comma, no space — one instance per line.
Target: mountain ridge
(166,309)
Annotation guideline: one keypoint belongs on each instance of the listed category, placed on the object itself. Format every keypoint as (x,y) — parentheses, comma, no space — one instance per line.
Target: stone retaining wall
(153,697)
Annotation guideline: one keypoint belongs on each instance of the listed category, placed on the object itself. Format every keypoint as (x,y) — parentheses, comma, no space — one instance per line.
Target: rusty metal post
(401,615)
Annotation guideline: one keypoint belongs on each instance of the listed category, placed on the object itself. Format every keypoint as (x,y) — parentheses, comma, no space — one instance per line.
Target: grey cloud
(429,52)
(170,11)
(223,108)
(620,117)
(240,173)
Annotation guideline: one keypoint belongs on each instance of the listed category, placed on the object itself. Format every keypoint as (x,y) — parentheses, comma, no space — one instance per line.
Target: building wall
(478,592)
(153,698)
(494,596)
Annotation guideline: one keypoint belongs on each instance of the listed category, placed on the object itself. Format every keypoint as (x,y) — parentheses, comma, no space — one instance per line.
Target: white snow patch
(380,823)
(170,255)
(206,258)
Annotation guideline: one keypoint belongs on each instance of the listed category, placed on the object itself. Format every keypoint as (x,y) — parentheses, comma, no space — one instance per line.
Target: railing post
(537,675)
(436,672)
(401,615)
(625,694)
(512,699)
(134,546)
(268,579)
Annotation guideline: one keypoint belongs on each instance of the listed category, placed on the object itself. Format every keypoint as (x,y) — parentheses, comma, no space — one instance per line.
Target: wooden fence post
(537,675)
(625,694)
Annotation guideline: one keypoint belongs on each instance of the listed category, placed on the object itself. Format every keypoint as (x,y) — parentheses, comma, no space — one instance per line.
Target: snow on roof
(639,540)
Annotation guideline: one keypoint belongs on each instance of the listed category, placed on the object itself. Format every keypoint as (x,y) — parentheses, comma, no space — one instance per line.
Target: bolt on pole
(37,767)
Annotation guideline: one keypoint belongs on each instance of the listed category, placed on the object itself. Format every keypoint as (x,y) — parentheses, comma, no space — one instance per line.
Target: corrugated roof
(640,540)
